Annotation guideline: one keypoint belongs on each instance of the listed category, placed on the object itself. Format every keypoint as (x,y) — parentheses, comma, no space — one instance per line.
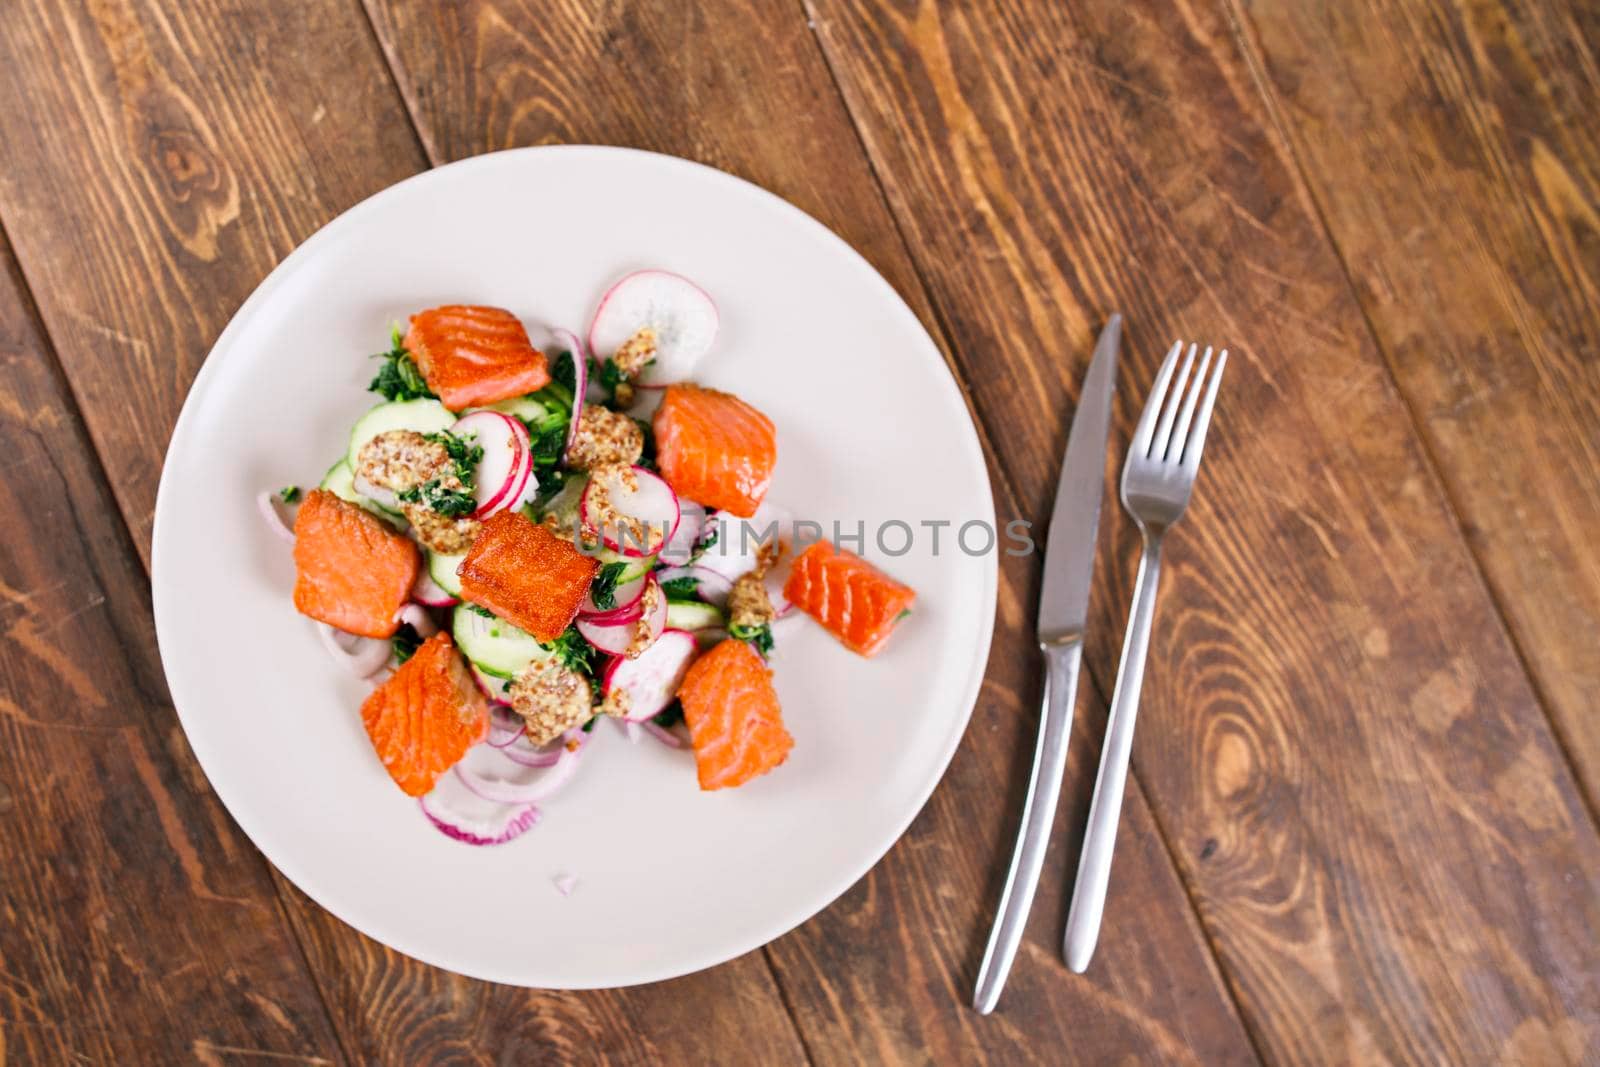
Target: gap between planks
(123,531)
(1008,492)
(1243,32)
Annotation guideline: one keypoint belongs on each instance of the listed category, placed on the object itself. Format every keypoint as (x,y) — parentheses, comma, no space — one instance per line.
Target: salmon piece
(526,575)
(353,571)
(714,448)
(474,355)
(425,717)
(734,719)
(852,599)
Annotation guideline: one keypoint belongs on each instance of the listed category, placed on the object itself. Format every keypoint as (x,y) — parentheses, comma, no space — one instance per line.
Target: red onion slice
(267,502)
(503,790)
(459,813)
(662,734)
(362,656)
(580,380)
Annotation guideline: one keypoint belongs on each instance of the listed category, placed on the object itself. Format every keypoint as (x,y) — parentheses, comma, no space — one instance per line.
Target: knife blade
(1069,544)
(1063,611)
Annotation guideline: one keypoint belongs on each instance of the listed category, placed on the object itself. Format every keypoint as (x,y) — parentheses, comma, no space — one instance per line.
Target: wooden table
(1363,821)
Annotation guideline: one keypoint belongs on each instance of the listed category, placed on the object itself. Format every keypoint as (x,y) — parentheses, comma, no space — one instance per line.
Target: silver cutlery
(1157,481)
(1063,612)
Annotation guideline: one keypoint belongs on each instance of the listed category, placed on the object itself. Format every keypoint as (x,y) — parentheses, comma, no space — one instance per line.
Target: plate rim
(162,608)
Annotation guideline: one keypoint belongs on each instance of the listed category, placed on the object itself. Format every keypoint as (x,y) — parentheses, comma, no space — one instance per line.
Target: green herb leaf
(451,503)
(572,651)
(603,590)
(684,588)
(398,378)
(564,371)
(549,441)
(647,458)
(289,493)
(760,637)
(405,642)
(478,609)
(464,454)
(902,615)
(669,716)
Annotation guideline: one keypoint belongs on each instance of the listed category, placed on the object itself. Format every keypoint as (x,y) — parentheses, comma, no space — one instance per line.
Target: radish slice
(652,503)
(460,813)
(625,598)
(611,638)
(507,457)
(614,638)
(380,496)
(683,317)
(427,591)
(281,526)
(680,546)
(652,680)
(730,545)
(361,656)
(710,586)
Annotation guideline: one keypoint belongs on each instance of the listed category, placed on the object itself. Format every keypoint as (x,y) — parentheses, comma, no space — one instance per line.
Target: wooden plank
(1337,738)
(1455,153)
(121,874)
(886,974)
(192,173)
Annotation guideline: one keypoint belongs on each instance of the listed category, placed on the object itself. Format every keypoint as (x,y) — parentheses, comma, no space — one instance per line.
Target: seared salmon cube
(422,720)
(714,448)
(353,571)
(526,575)
(474,355)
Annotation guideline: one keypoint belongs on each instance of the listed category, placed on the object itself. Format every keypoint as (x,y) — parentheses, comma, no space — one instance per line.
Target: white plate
(871,428)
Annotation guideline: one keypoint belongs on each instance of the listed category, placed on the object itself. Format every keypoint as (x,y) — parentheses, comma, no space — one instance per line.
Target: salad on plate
(523,540)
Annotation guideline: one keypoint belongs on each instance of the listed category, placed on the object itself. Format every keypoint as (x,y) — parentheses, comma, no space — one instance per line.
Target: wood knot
(1231,754)
(185,165)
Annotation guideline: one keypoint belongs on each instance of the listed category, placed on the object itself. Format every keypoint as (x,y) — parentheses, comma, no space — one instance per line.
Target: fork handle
(1105,811)
(1038,811)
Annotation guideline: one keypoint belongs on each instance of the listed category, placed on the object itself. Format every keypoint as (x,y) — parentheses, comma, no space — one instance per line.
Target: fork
(1157,481)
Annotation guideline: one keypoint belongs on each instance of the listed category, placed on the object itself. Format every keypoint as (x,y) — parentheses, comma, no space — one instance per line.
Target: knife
(1063,613)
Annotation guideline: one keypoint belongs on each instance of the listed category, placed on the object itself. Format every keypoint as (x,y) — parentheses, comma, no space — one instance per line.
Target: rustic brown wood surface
(1359,830)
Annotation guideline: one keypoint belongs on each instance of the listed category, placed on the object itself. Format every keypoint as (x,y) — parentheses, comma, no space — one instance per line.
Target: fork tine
(1152,407)
(1180,429)
(1169,407)
(1192,447)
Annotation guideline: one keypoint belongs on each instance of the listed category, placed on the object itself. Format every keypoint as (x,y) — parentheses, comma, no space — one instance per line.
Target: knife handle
(1038,811)
(1105,810)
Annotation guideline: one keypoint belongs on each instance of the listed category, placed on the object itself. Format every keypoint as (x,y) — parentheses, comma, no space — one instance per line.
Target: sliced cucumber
(564,505)
(423,416)
(527,408)
(493,645)
(693,615)
(341,482)
(633,567)
(442,569)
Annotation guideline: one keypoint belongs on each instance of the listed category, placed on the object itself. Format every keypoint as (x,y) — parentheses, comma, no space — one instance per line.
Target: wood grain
(204,141)
(885,975)
(1336,736)
(1452,149)
(121,874)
